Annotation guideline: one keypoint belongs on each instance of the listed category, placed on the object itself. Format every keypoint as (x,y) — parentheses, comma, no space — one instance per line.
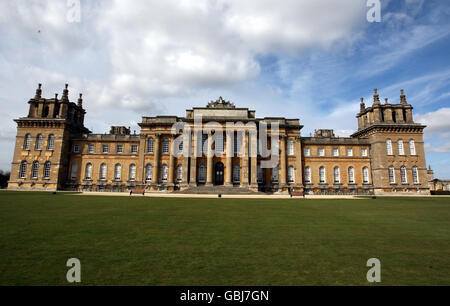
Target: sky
(311,60)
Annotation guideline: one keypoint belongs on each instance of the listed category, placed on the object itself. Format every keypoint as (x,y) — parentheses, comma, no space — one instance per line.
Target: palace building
(55,151)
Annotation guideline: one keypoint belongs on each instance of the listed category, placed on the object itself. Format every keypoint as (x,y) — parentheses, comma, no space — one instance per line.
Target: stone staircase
(217,190)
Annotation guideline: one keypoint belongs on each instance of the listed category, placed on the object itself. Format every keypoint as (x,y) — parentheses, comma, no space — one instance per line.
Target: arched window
(38,145)
(412,147)
(401,150)
(322,175)
(389,147)
(23,169)
(403,175)
(47,167)
(164,172)
(236,173)
(391,175)
(34,170)
(290,147)
(74,171)
(117,172)
(337,175)
(201,173)
(88,172)
(365,175)
(165,149)
(148,172)
(103,171)
(179,173)
(150,145)
(308,175)
(291,174)
(259,174)
(51,142)
(27,142)
(132,176)
(415,174)
(351,175)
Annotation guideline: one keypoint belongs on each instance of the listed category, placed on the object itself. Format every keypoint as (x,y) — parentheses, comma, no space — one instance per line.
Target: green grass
(161,241)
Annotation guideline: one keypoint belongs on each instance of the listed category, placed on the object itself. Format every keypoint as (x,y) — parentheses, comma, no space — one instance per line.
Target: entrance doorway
(219,173)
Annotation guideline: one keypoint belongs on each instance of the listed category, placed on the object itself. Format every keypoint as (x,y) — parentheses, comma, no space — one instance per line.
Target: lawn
(161,241)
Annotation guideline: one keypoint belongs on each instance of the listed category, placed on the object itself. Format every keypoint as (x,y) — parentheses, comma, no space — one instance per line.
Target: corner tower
(41,154)
(397,148)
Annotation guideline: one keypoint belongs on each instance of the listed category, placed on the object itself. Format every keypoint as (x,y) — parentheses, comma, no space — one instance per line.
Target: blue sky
(311,60)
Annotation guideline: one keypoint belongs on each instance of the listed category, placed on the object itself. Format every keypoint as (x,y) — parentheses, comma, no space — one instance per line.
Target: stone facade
(175,153)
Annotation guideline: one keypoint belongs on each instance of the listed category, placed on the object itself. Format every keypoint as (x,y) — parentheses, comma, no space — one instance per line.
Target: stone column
(254,159)
(171,163)
(244,161)
(209,163)
(155,174)
(186,152)
(282,164)
(140,166)
(194,150)
(298,162)
(229,158)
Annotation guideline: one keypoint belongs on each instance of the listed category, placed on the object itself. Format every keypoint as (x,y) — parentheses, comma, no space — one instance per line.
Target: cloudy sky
(304,59)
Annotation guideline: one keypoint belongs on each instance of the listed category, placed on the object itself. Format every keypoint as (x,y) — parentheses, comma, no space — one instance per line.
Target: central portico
(223,149)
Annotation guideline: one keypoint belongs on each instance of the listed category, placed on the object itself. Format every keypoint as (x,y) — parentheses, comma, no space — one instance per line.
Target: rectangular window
(335,152)
(90,148)
(401,150)
(389,147)
(237,142)
(307,151)
(105,148)
(412,147)
(290,147)
(76,148)
(134,149)
(321,152)
(219,144)
(364,152)
(204,143)
(260,174)
(119,148)
(349,152)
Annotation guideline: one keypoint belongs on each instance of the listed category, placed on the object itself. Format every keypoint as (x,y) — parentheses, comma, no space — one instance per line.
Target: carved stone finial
(80,100)
(362,106)
(402,97)
(220,103)
(376,97)
(386,101)
(38,91)
(65,96)
(56,97)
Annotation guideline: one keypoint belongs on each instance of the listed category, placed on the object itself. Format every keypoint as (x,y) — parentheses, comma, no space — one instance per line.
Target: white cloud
(437,121)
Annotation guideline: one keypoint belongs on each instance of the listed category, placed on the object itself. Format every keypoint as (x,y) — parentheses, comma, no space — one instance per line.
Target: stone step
(217,190)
